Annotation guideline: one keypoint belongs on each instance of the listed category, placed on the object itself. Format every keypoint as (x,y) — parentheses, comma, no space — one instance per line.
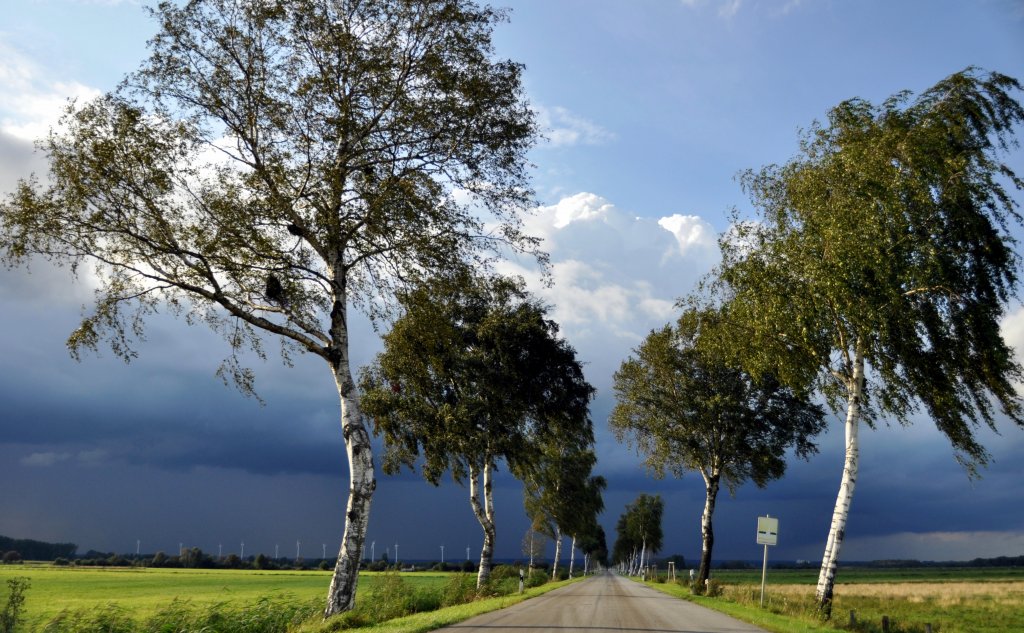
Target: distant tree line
(29,549)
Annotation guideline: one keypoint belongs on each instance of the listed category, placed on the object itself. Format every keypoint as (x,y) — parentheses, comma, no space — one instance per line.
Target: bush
(16,588)
(61,562)
(12,557)
(536,578)
(460,589)
(712,589)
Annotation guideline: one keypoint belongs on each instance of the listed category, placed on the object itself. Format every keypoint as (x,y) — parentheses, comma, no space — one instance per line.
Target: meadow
(950,600)
(142,593)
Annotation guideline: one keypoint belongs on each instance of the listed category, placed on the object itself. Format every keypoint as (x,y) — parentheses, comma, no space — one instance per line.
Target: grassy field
(950,600)
(143,592)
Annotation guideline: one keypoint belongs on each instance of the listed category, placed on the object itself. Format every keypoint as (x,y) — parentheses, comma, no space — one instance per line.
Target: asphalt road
(601,604)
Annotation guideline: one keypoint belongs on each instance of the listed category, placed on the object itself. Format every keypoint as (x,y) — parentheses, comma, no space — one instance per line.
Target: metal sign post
(767,534)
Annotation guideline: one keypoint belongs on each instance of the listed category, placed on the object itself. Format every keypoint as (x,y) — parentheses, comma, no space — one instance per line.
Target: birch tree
(685,407)
(880,265)
(638,532)
(560,495)
(472,375)
(274,164)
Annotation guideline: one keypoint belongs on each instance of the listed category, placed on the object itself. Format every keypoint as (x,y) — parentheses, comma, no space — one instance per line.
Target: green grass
(856,575)
(144,592)
(950,600)
(428,621)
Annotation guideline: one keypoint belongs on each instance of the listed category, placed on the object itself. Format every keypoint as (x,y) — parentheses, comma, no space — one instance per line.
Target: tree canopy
(273,164)
(638,531)
(685,406)
(474,374)
(881,264)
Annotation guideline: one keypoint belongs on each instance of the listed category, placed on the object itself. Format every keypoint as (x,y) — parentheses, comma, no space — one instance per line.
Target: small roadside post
(767,534)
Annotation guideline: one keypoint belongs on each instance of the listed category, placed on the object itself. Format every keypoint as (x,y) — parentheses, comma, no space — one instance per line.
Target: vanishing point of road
(603,604)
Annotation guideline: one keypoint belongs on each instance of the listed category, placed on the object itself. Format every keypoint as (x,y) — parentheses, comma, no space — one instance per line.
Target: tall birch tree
(274,164)
(474,374)
(684,407)
(880,265)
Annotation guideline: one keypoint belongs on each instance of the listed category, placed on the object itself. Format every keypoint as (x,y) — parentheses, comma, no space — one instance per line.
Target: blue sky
(650,108)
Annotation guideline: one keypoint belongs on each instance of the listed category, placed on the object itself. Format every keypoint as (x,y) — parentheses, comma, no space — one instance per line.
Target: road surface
(603,604)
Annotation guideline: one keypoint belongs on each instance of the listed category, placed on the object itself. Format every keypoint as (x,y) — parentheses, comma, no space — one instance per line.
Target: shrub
(713,589)
(390,597)
(61,562)
(536,578)
(460,589)
(12,557)
(9,617)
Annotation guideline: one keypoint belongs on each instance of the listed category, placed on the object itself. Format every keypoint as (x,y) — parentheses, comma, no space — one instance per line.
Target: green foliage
(109,618)
(471,373)
(31,549)
(460,589)
(536,578)
(14,603)
(264,615)
(639,527)
(594,543)
(888,240)
(683,402)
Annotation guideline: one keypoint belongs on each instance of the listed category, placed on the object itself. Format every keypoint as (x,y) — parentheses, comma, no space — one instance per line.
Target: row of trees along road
(273,164)
(685,404)
(881,266)
(473,374)
(638,533)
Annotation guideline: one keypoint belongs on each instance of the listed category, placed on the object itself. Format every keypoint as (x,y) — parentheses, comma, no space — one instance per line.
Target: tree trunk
(572,555)
(530,567)
(827,576)
(707,531)
(484,515)
(558,552)
(342,593)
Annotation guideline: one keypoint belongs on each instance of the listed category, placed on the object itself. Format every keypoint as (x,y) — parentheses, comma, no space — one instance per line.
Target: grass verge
(979,605)
(775,622)
(428,621)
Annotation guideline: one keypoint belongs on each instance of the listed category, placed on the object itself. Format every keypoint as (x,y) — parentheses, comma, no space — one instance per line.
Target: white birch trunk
(572,555)
(558,552)
(485,516)
(837,531)
(707,531)
(341,595)
(530,567)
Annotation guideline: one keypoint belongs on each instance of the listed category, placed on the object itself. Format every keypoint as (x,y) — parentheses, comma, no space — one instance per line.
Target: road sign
(767,530)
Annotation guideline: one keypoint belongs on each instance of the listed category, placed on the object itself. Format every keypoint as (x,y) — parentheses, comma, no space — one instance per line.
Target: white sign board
(767,530)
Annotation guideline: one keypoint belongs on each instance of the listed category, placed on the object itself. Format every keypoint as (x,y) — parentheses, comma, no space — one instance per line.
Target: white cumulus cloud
(31,102)
(614,275)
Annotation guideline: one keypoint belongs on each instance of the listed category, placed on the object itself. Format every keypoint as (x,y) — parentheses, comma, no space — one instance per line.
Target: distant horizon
(660,556)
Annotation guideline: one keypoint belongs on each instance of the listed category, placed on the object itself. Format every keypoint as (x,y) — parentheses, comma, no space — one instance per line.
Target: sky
(650,108)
